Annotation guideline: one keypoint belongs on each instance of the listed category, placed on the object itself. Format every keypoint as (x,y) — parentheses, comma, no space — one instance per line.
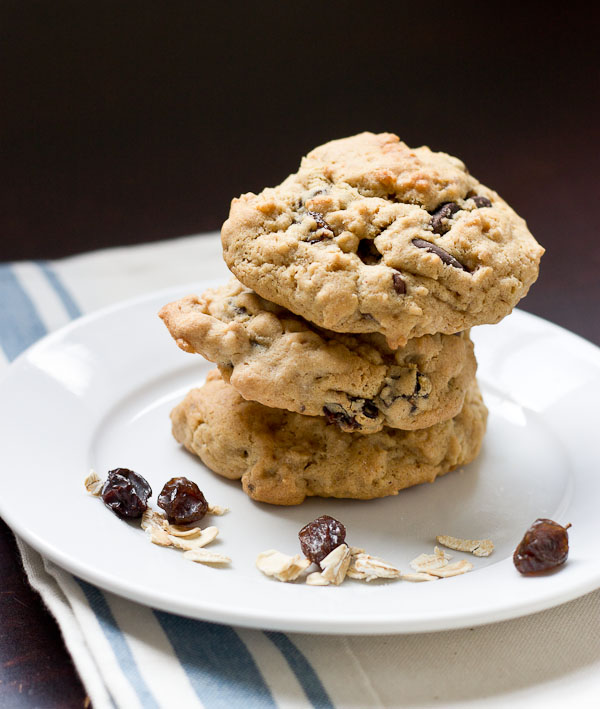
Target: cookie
(373,236)
(282,457)
(274,357)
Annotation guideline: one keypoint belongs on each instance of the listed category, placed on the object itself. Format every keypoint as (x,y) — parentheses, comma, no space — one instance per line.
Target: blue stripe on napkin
(20,325)
(67,299)
(221,670)
(118,643)
(303,670)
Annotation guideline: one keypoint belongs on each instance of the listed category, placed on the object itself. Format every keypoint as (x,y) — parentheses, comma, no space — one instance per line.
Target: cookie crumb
(427,562)
(152,518)
(202,556)
(459,567)
(159,536)
(477,547)
(335,565)
(164,534)
(316,579)
(366,567)
(206,536)
(281,566)
(217,510)
(188,533)
(93,484)
(418,577)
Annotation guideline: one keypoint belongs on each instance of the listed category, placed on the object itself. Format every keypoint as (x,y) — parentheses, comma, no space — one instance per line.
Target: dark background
(125,122)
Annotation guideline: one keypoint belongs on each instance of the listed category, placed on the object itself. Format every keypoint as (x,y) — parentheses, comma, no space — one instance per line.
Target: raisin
(335,413)
(368,253)
(183,501)
(544,546)
(398,283)
(323,231)
(421,378)
(440,217)
(320,537)
(481,201)
(126,493)
(321,223)
(369,409)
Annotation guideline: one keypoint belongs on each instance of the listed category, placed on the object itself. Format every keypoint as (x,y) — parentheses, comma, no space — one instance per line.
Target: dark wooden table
(131,124)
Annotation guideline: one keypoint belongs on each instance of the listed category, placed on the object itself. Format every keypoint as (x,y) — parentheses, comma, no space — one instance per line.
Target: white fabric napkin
(131,656)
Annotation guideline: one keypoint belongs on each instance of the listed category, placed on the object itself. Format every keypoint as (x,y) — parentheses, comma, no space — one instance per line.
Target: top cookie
(372,236)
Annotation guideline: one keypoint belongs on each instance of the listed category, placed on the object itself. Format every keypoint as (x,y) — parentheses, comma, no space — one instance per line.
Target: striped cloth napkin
(131,656)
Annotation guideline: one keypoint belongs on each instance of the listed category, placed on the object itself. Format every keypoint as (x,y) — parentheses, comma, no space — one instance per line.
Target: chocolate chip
(237,309)
(321,223)
(368,253)
(323,230)
(440,216)
(419,386)
(370,410)
(335,413)
(369,317)
(481,201)
(444,255)
(311,194)
(399,284)
(419,378)
(416,395)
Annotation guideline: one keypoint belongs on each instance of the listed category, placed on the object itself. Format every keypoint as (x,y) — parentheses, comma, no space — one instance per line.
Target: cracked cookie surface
(372,236)
(272,356)
(282,457)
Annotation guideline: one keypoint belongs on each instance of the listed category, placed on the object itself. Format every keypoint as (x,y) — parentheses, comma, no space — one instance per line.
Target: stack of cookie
(345,363)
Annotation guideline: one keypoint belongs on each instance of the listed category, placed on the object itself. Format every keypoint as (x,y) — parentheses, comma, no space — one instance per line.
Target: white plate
(98,394)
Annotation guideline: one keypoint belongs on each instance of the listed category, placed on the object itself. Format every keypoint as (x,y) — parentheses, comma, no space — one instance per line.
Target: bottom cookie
(282,457)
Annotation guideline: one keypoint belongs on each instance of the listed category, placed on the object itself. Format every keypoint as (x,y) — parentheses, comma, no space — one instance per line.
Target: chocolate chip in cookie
(368,253)
(370,410)
(399,284)
(481,201)
(448,259)
(323,231)
(439,218)
(335,413)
